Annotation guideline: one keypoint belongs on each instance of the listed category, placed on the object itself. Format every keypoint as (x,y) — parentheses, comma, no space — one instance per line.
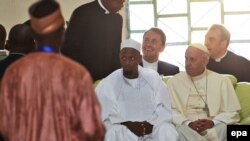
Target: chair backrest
(243,92)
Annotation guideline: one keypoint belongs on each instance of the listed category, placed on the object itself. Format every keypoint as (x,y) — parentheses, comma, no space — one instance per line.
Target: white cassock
(143,99)
(188,99)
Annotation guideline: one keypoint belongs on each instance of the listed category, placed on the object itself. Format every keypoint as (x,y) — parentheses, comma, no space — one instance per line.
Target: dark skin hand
(139,128)
(201,125)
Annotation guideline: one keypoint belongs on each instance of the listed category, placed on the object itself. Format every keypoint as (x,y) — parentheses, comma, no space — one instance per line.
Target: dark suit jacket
(232,64)
(7,61)
(165,68)
(93,39)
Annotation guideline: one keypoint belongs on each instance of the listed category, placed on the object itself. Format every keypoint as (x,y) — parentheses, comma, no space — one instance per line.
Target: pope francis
(203,101)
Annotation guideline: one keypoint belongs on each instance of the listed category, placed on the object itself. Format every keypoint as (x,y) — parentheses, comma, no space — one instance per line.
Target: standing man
(135,101)
(20,42)
(154,41)
(204,102)
(222,60)
(93,36)
(52,96)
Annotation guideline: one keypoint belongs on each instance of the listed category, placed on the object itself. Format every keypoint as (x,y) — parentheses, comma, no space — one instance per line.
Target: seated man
(217,40)
(135,101)
(203,101)
(154,41)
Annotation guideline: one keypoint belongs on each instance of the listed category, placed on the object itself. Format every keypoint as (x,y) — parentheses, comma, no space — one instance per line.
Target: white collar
(219,59)
(132,82)
(153,65)
(102,6)
(200,76)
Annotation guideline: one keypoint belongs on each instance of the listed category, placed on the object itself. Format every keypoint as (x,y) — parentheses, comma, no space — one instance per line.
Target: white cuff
(216,121)
(186,122)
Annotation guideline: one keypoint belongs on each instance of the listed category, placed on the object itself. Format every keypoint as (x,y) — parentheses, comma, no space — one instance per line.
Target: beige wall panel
(16,11)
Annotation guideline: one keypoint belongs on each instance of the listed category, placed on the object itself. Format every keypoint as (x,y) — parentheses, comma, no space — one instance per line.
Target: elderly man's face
(113,6)
(214,43)
(195,62)
(130,59)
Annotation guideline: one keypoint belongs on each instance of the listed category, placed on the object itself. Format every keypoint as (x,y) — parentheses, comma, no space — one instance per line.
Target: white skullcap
(130,43)
(200,47)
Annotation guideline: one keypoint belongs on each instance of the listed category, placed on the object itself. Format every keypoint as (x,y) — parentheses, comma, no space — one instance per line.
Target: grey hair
(225,34)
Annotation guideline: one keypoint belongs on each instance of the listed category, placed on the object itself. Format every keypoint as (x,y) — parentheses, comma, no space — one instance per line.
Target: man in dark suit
(20,42)
(2,36)
(93,36)
(222,60)
(154,41)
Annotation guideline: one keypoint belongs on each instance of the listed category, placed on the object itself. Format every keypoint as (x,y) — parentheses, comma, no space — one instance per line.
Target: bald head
(113,6)
(20,39)
(20,33)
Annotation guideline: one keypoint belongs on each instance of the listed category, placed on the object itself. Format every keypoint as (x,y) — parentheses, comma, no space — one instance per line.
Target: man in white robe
(203,101)
(135,102)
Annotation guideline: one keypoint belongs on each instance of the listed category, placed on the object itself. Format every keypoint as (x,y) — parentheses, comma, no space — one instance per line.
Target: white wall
(16,11)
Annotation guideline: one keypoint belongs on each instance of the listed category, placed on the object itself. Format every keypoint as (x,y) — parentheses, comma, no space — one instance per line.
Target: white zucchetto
(200,47)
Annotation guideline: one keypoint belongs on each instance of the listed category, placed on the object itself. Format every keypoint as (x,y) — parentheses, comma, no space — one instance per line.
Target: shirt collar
(153,65)
(200,76)
(132,82)
(219,59)
(102,6)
